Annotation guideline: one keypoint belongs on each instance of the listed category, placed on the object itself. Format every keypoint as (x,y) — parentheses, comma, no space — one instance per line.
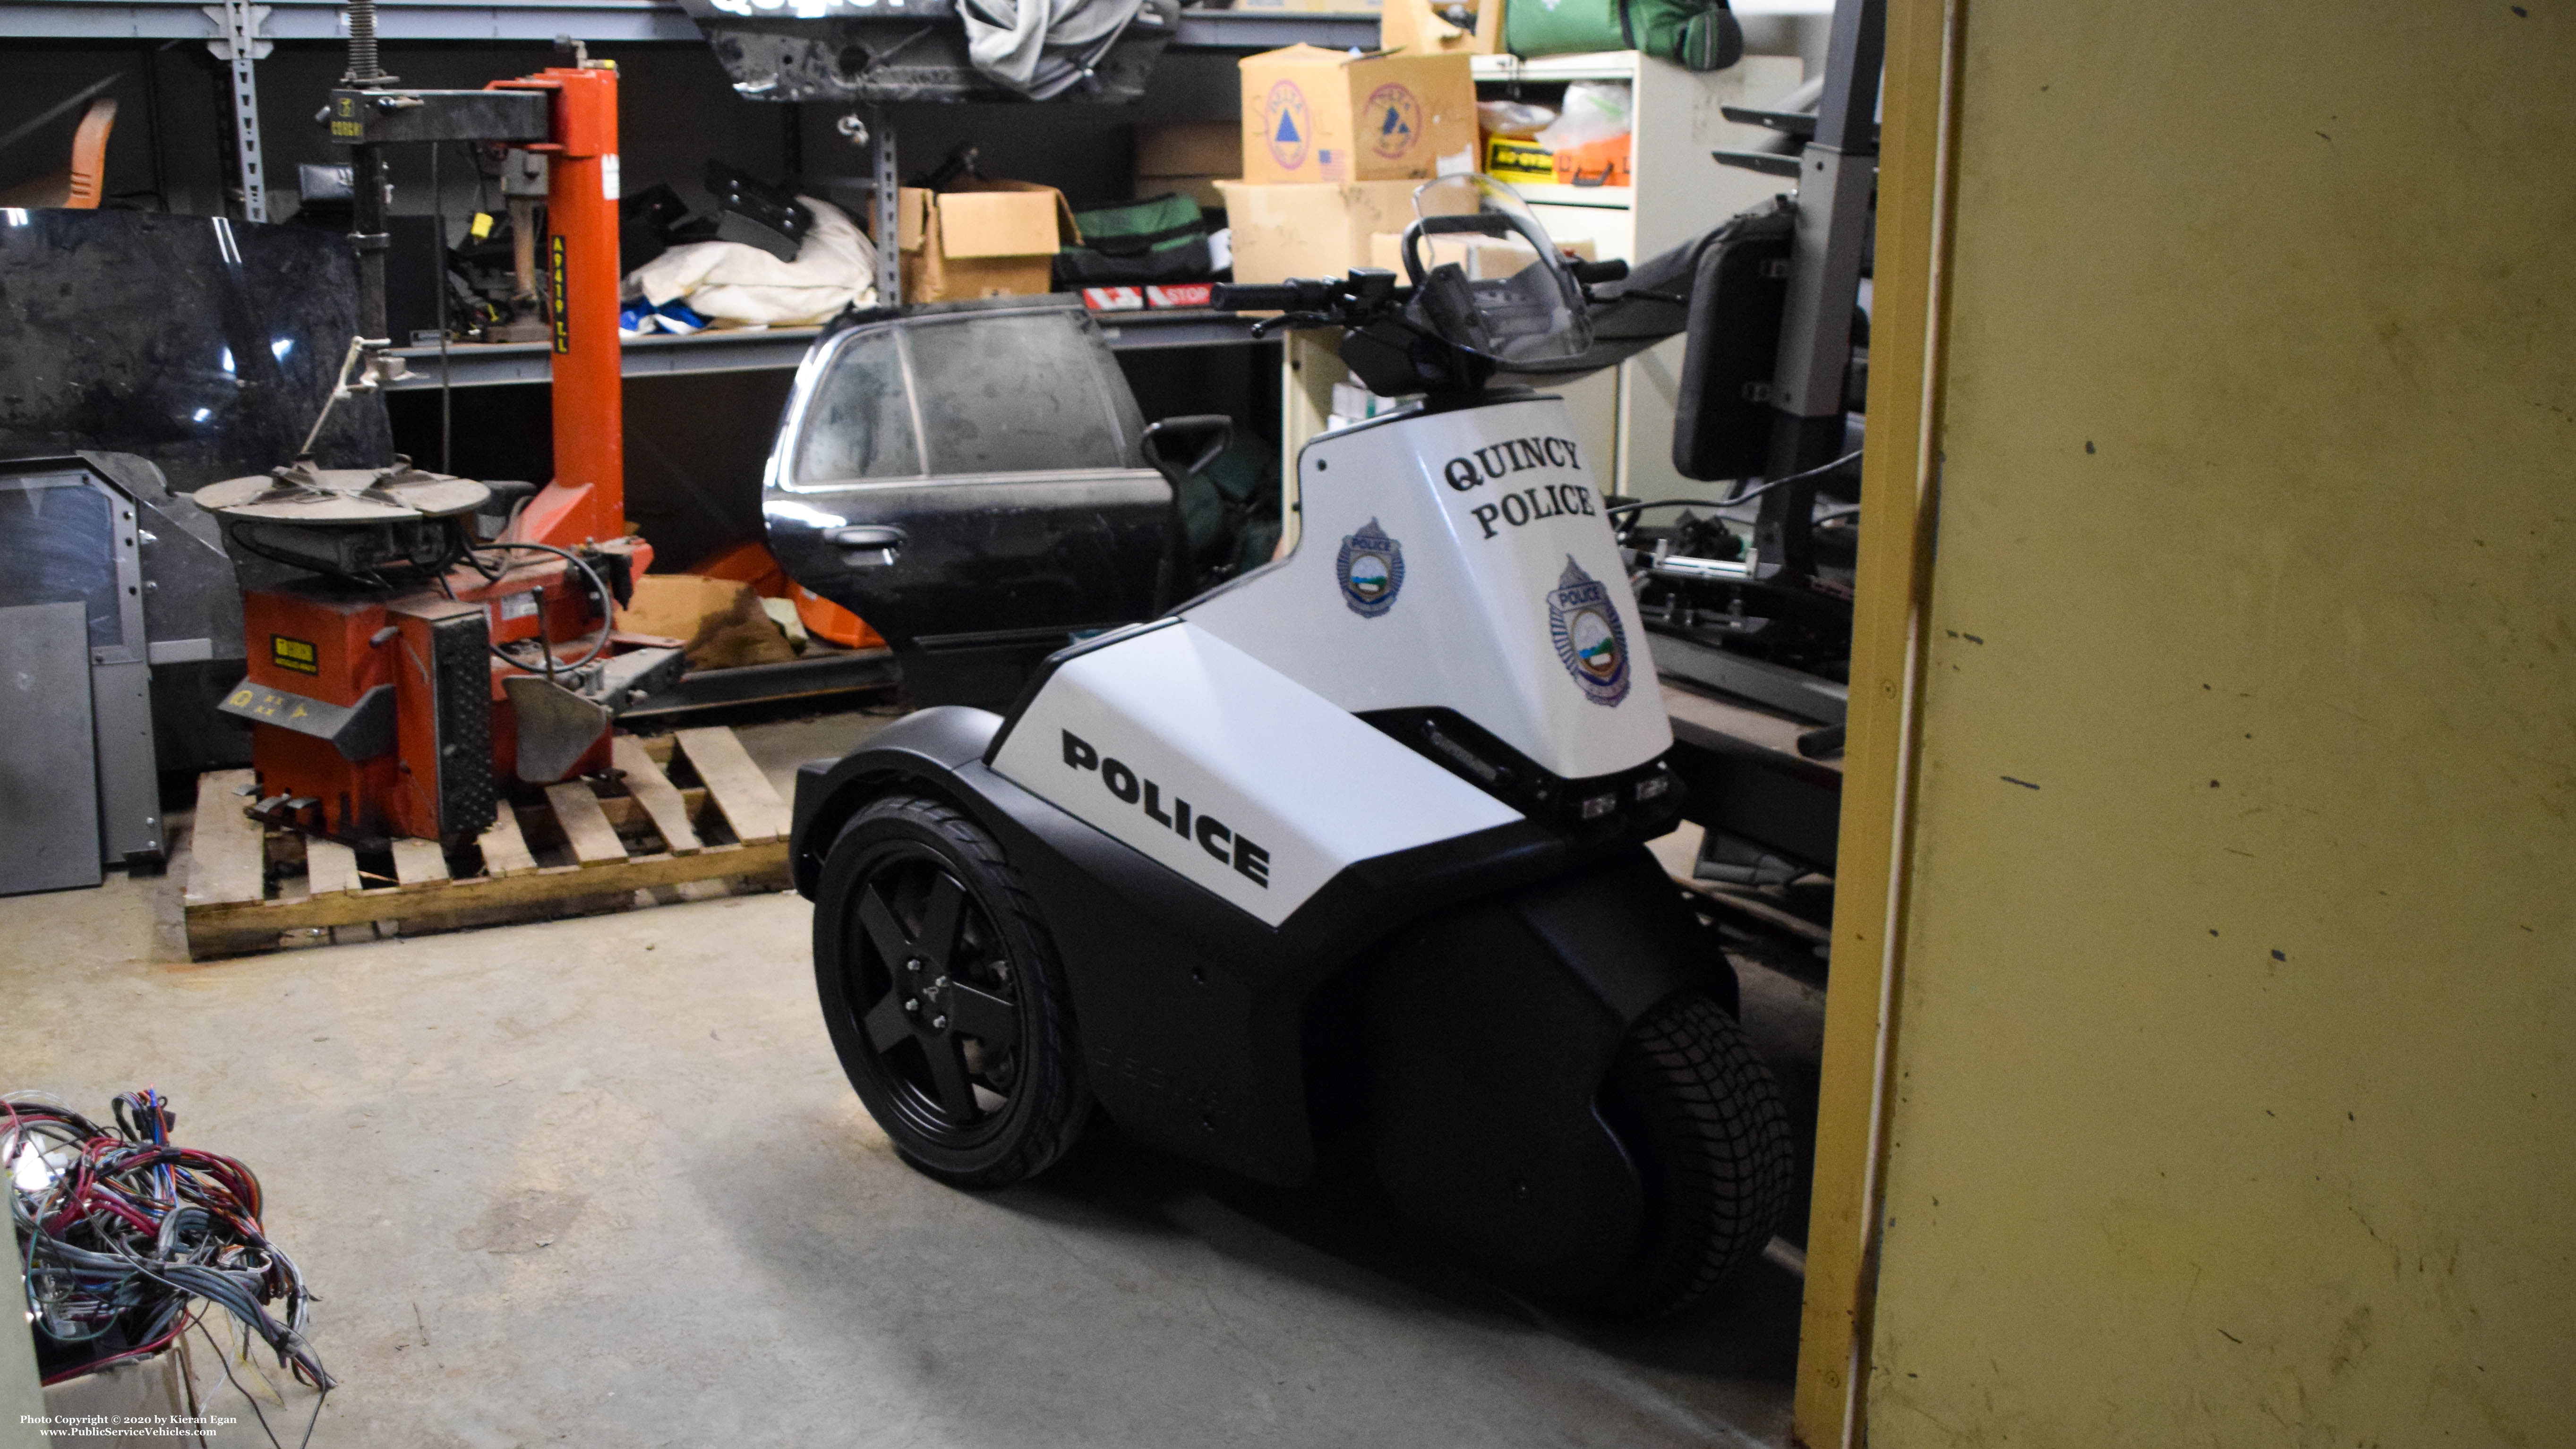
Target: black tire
(944,996)
(1701,1117)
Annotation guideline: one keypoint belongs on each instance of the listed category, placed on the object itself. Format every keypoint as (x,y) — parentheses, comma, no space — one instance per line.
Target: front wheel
(1701,1117)
(944,997)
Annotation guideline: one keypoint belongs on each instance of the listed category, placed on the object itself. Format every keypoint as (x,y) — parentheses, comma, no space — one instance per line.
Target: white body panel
(1281,789)
(1487,507)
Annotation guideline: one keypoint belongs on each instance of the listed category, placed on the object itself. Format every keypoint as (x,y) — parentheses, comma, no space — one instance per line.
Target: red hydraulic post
(588,500)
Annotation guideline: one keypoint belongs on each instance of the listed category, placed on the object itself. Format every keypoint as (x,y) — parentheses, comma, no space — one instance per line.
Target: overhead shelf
(596,21)
(500,364)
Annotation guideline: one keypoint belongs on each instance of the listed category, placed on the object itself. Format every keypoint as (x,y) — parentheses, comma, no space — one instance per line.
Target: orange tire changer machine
(424,665)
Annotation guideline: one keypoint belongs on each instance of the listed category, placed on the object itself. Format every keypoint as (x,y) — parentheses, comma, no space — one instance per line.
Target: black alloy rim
(937,998)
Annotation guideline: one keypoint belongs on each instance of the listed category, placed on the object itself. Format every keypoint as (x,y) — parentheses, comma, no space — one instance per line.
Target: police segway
(1356,836)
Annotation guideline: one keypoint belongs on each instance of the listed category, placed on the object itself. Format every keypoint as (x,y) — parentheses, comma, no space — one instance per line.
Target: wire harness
(121,1233)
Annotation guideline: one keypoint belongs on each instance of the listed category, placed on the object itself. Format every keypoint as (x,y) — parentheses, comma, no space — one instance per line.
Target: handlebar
(1298,294)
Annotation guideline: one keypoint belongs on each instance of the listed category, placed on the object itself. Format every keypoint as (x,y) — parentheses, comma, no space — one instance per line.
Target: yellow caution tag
(480,227)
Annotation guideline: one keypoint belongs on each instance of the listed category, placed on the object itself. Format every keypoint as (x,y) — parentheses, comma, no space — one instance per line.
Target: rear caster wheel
(944,997)
(1701,1117)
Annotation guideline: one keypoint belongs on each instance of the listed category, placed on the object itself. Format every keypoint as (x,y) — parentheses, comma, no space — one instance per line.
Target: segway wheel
(1701,1117)
(944,996)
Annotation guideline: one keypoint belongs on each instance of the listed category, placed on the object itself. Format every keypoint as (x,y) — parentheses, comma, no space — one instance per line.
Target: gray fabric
(1040,48)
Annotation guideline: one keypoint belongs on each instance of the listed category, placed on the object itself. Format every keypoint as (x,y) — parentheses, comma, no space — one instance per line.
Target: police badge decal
(1371,570)
(1585,625)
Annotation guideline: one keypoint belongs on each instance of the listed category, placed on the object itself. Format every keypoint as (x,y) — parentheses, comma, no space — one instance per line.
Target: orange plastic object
(89,155)
(580,266)
(748,563)
(1596,163)
(831,623)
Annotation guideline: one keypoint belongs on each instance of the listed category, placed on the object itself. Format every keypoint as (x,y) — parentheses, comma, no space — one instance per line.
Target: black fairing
(1500,972)
(1493,1023)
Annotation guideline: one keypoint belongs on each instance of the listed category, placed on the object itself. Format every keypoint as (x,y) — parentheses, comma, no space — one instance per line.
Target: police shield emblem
(1371,570)
(1585,625)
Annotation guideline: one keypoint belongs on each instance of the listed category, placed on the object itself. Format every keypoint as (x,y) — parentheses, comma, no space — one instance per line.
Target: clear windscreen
(1487,277)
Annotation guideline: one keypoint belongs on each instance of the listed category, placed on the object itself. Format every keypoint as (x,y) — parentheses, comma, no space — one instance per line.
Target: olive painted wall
(2233,1097)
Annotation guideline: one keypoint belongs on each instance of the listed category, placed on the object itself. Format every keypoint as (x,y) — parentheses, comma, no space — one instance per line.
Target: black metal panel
(376,117)
(1192,1013)
(358,731)
(459,659)
(203,345)
(1783,803)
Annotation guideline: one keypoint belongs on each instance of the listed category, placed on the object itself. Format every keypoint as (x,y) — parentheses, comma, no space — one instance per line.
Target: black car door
(965,478)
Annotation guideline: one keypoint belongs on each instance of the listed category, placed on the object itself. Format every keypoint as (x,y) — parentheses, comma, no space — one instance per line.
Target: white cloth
(731,282)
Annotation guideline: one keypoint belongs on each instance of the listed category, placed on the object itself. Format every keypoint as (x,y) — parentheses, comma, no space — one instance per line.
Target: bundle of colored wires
(122,1233)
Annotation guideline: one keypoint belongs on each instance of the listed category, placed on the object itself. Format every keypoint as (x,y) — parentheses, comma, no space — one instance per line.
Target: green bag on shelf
(1700,34)
(1137,243)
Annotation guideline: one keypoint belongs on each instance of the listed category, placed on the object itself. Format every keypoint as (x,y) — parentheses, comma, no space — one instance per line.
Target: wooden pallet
(582,847)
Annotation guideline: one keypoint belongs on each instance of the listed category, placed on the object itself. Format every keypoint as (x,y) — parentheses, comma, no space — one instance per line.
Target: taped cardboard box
(1314,115)
(1188,159)
(1309,230)
(985,239)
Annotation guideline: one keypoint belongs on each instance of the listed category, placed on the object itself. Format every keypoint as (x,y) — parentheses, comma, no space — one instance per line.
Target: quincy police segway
(1356,836)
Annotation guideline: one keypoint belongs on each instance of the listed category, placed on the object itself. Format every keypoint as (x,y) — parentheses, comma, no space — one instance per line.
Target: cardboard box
(1188,159)
(1314,115)
(719,622)
(985,239)
(1190,148)
(1308,230)
(1415,27)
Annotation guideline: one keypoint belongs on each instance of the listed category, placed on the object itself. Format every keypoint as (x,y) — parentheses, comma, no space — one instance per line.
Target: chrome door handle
(859,542)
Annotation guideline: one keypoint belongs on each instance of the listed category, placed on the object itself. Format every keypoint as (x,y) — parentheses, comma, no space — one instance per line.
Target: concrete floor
(601,1182)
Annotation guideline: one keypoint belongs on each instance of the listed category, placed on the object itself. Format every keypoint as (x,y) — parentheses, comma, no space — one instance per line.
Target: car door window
(859,423)
(1013,394)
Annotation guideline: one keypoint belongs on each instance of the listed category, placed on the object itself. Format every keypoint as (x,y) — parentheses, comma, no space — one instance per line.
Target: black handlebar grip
(1254,297)
(1594,273)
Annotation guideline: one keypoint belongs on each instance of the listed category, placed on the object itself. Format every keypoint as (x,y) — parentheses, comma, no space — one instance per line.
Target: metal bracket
(889,220)
(237,42)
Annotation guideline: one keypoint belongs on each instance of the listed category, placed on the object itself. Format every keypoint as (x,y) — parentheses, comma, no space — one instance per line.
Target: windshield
(1486,276)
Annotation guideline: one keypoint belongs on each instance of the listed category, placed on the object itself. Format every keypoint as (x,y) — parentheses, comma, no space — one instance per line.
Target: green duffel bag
(1137,243)
(1701,34)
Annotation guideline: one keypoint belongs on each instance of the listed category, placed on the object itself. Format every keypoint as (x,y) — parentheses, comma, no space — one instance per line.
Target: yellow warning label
(293,654)
(557,284)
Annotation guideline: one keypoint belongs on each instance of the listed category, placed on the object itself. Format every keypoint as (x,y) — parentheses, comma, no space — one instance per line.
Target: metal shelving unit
(595,21)
(500,364)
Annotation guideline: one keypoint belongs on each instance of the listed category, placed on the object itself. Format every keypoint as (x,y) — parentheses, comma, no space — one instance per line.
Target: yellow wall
(2234,1068)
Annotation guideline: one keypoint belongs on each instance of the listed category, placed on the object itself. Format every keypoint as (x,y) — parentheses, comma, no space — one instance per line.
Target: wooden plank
(419,862)
(227,851)
(630,817)
(329,866)
(750,806)
(253,925)
(505,850)
(656,747)
(1892,590)
(594,841)
(652,790)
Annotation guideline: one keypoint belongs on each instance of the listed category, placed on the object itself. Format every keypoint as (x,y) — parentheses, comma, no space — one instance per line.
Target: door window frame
(782,473)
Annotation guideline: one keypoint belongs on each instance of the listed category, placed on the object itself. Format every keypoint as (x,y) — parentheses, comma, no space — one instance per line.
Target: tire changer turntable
(435,649)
